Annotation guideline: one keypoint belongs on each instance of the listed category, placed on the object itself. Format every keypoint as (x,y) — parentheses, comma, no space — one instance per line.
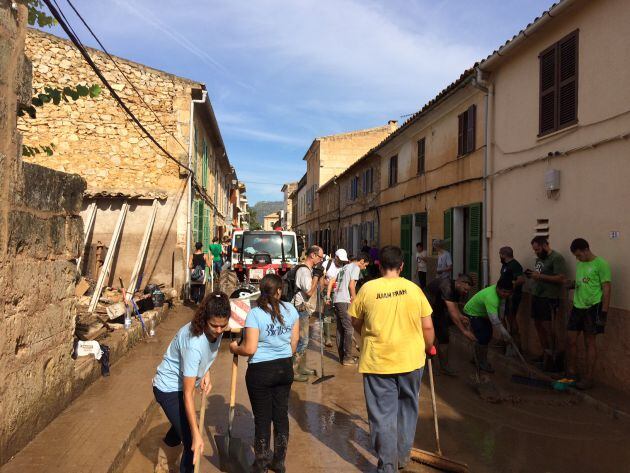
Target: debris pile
(113,311)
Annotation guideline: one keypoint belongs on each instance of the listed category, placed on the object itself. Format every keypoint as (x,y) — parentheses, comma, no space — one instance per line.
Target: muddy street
(532,430)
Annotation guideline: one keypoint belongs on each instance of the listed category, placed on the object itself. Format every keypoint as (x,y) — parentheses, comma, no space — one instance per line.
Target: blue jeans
(216,267)
(304,332)
(392,405)
(173,406)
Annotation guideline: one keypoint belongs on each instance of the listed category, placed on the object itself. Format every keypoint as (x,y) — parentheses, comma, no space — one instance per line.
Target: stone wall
(40,236)
(94,137)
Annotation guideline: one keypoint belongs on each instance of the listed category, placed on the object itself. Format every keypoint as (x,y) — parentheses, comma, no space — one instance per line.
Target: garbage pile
(113,311)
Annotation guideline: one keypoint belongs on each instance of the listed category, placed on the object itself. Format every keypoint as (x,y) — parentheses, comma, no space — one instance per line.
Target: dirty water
(532,430)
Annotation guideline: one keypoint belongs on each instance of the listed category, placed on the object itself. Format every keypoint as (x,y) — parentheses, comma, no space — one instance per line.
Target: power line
(68,30)
(120,70)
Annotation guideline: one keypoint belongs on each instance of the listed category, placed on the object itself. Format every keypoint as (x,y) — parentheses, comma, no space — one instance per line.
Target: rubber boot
(327,341)
(262,456)
(280,443)
(445,368)
(302,369)
(482,358)
(297,376)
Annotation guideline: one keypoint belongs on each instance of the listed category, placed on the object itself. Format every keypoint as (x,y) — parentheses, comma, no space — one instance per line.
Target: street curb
(513,365)
(130,443)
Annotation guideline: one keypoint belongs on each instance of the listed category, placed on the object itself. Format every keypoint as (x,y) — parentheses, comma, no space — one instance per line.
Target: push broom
(436,459)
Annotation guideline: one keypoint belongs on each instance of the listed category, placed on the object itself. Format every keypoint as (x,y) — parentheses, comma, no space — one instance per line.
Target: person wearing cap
(344,294)
(331,268)
(444,262)
(444,296)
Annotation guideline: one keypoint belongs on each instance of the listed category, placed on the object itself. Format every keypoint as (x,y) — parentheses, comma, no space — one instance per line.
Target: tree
(253,219)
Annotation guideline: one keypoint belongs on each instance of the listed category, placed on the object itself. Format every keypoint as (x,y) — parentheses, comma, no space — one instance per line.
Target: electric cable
(68,30)
(120,70)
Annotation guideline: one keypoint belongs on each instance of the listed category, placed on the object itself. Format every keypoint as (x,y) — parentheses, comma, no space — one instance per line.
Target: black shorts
(441,322)
(512,304)
(543,308)
(589,320)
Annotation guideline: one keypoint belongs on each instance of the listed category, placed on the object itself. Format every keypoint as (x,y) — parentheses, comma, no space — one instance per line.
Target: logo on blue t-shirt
(277,330)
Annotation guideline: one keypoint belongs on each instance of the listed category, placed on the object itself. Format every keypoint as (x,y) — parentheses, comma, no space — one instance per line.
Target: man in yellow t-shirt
(394,319)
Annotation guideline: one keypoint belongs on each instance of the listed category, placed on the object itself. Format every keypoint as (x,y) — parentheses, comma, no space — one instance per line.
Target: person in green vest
(483,311)
(217,250)
(591,301)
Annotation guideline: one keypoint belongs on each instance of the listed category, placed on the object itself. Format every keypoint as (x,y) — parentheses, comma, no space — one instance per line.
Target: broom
(436,460)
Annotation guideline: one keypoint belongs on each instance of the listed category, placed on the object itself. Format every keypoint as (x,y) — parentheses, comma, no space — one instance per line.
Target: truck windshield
(268,243)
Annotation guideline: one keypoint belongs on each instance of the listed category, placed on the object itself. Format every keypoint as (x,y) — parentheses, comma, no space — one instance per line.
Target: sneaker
(350,362)
(328,344)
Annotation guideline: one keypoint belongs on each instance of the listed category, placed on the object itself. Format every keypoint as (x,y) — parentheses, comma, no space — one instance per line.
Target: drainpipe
(488,89)
(190,187)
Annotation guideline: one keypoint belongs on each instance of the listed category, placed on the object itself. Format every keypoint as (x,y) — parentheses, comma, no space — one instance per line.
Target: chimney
(393,124)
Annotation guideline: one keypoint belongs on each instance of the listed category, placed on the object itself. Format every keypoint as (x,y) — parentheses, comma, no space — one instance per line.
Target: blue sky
(282,72)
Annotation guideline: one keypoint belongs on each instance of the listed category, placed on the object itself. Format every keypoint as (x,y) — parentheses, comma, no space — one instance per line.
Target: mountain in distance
(265,207)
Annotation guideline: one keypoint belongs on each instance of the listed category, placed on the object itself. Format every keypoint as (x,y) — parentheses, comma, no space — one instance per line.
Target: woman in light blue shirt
(185,365)
(271,338)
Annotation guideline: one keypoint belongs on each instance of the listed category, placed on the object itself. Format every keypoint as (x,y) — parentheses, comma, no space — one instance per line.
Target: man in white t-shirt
(307,279)
(345,293)
(444,262)
(421,264)
(332,267)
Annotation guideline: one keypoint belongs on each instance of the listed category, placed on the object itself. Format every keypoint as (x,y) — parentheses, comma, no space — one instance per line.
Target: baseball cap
(342,255)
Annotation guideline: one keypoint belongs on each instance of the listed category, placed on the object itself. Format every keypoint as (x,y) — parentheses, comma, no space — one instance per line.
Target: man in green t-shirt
(549,277)
(217,250)
(590,307)
(483,311)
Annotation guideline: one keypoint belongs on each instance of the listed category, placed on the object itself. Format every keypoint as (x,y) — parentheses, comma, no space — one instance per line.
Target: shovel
(322,378)
(202,416)
(436,459)
(232,451)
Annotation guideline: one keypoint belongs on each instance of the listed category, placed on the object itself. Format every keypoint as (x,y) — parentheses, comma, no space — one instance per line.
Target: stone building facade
(326,157)
(41,234)
(287,191)
(348,206)
(95,139)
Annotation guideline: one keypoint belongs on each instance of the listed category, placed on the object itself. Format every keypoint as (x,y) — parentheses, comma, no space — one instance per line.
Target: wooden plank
(107,264)
(131,288)
(88,229)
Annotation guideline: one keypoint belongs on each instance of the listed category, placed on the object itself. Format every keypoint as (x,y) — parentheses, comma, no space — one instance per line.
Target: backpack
(289,286)
(197,274)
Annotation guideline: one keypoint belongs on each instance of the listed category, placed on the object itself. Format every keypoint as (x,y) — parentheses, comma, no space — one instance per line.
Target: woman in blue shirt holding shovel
(186,365)
(271,338)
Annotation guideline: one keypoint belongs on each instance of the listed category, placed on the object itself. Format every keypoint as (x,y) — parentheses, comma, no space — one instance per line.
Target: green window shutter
(421,219)
(473,250)
(206,227)
(195,227)
(448,230)
(405,244)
